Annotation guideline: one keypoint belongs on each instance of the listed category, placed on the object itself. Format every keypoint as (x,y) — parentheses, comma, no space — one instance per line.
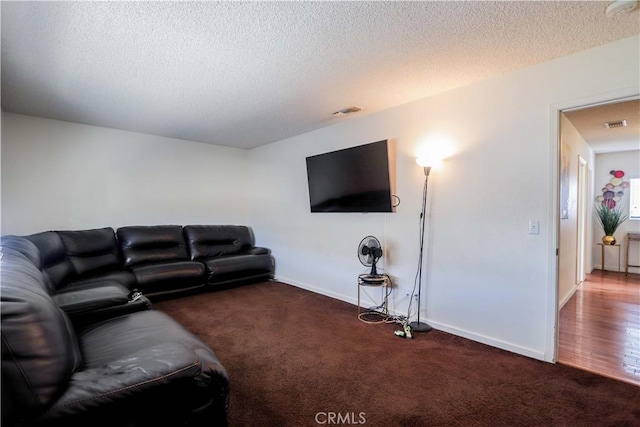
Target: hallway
(599,327)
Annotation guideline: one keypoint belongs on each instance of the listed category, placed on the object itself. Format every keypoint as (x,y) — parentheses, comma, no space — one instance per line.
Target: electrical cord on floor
(394,318)
(379,309)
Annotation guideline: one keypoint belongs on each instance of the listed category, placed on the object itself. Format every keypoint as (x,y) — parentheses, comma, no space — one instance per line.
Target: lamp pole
(421,326)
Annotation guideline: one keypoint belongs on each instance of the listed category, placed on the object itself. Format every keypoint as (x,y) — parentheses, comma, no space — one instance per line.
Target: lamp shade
(427,163)
(423,161)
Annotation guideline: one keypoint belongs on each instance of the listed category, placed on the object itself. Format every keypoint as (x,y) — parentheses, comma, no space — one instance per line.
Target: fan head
(369,252)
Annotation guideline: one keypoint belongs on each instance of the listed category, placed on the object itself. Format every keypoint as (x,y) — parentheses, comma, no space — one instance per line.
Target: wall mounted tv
(355,179)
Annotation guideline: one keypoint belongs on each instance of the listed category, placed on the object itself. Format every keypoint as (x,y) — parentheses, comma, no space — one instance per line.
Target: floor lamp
(419,326)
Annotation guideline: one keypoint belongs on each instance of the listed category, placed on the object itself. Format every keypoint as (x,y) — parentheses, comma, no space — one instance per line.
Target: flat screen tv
(355,179)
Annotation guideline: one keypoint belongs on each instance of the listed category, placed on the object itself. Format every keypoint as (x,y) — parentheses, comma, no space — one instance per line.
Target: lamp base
(419,327)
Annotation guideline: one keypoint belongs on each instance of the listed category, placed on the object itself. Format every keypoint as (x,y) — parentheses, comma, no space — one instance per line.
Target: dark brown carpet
(292,354)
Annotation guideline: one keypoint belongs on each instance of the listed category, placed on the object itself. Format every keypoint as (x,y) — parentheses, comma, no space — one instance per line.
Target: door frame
(552,316)
(582,219)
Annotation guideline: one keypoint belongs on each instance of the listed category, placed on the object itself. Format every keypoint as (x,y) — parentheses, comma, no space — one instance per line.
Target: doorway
(592,305)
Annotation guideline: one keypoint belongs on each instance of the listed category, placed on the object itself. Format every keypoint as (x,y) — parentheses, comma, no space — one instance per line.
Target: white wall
(629,162)
(567,268)
(59,175)
(486,277)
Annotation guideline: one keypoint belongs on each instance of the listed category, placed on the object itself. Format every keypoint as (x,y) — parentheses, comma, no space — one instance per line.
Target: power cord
(382,310)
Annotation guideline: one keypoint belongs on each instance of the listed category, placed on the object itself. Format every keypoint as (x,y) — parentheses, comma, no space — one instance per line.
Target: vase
(609,240)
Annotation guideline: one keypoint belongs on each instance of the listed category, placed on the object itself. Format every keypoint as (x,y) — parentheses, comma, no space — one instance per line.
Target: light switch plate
(534,227)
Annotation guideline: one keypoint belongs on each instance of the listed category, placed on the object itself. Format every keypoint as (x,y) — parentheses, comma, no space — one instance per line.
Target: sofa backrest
(206,241)
(153,243)
(39,347)
(91,250)
(23,246)
(54,264)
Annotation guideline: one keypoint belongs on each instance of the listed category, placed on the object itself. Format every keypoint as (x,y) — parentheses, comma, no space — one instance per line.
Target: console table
(381,314)
(602,246)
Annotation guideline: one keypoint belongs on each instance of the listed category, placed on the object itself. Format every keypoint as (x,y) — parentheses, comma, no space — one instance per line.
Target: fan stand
(380,315)
(369,253)
(374,270)
(373,277)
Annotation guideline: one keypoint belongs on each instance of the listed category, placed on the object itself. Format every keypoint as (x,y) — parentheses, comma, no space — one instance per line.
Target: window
(634,200)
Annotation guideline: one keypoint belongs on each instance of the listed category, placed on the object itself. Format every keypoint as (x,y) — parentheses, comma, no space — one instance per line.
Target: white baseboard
(493,342)
(314,289)
(614,269)
(567,297)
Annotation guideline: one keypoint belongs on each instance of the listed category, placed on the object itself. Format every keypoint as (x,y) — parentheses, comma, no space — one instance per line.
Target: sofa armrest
(121,380)
(86,300)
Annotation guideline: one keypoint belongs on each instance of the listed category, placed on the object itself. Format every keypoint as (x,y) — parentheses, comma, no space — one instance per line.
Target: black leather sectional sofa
(81,344)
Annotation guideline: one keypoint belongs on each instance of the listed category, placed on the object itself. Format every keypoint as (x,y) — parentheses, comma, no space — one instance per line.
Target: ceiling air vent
(346,111)
(615,124)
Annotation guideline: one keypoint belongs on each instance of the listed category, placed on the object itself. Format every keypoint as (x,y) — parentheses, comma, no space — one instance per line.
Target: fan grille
(369,250)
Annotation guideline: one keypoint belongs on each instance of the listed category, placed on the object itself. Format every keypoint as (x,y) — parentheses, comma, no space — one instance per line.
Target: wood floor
(599,329)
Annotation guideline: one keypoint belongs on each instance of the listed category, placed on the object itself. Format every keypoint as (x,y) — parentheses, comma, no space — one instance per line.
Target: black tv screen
(355,179)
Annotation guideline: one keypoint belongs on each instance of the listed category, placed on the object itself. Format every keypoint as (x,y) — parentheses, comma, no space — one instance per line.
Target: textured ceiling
(244,74)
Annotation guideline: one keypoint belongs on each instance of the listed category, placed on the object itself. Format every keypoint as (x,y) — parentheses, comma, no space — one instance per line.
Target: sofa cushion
(119,391)
(207,241)
(106,341)
(91,250)
(122,277)
(55,265)
(39,346)
(165,276)
(151,244)
(145,368)
(231,267)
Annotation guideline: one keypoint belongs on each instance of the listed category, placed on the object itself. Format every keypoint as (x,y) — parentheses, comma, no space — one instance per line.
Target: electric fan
(369,252)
